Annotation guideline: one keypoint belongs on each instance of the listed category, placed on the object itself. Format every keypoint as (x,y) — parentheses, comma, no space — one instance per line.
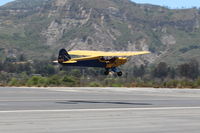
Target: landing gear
(107,71)
(115,70)
(119,74)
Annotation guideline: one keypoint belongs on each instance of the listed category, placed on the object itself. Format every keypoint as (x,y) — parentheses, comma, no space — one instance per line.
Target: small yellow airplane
(108,60)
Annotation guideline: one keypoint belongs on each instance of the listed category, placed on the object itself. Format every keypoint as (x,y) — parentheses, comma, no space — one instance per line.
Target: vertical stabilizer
(63,56)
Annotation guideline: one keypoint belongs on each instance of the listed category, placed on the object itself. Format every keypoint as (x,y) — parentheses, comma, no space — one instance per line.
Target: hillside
(39,28)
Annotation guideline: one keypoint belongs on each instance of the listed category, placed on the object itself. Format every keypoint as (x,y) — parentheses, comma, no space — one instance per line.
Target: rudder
(63,56)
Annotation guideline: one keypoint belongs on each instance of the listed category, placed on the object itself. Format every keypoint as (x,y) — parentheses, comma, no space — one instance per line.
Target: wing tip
(148,52)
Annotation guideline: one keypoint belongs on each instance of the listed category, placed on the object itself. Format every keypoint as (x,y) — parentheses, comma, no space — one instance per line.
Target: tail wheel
(119,74)
(106,72)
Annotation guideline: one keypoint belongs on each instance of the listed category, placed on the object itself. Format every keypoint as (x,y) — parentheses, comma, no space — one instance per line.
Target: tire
(106,72)
(119,74)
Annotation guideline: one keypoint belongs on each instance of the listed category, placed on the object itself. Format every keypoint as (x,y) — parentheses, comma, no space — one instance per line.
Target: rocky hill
(39,28)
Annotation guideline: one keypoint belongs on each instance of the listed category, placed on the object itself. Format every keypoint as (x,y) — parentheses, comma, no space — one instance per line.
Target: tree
(189,70)
(194,69)
(1,65)
(161,70)
(22,57)
(171,72)
(44,68)
(139,71)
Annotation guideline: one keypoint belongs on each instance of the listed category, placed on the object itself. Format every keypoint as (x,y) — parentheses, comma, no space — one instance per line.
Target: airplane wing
(101,53)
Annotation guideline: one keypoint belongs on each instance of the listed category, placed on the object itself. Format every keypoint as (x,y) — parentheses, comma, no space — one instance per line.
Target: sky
(168,3)
(2,2)
(172,3)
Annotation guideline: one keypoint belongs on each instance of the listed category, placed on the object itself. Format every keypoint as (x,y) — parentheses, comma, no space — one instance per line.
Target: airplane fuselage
(99,62)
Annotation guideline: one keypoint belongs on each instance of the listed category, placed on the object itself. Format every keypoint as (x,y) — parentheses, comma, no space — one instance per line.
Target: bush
(54,81)
(117,85)
(171,84)
(198,82)
(69,81)
(14,82)
(94,84)
(37,81)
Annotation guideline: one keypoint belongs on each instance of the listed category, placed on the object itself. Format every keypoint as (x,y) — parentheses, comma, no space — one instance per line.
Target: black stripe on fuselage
(87,63)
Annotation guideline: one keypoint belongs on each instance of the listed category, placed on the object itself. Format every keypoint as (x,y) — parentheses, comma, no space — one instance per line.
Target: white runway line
(93,110)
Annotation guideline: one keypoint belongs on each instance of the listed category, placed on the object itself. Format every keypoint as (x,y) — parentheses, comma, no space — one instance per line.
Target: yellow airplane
(108,60)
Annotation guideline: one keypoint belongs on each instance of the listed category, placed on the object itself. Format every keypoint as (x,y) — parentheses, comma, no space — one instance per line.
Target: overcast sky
(169,3)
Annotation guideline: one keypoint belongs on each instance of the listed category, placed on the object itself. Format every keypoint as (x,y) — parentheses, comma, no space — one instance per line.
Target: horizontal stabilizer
(55,61)
(69,62)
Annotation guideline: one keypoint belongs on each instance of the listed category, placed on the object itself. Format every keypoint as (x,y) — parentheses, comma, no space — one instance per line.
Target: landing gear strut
(107,71)
(114,69)
(117,70)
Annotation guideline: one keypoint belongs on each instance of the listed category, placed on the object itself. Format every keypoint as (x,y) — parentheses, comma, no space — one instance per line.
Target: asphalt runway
(97,110)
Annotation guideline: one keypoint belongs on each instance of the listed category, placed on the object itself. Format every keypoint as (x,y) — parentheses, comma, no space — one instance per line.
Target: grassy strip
(71,81)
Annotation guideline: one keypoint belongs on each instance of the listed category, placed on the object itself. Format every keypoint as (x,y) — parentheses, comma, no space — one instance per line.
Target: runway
(108,110)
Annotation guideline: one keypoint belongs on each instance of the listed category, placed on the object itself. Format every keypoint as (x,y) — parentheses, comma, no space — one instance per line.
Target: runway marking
(93,110)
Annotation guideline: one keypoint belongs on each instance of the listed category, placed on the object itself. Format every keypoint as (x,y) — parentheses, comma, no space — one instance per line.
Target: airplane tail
(63,56)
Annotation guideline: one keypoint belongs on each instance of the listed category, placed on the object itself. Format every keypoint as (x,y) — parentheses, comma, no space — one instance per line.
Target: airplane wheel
(106,72)
(119,74)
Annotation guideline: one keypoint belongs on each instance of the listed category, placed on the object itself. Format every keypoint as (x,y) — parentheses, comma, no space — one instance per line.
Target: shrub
(14,82)
(69,81)
(94,84)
